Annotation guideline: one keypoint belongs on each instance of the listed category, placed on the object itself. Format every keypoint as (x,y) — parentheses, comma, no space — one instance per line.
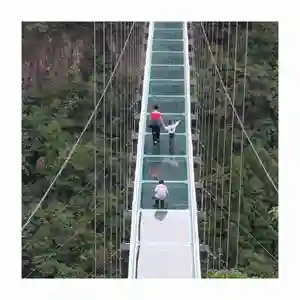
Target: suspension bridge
(165,243)
(184,70)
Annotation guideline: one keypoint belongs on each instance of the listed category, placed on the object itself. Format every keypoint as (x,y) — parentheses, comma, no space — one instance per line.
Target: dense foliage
(64,239)
(239,199)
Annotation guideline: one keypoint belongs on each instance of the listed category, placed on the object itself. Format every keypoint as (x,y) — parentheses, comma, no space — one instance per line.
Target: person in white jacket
(171,128)
(160,194)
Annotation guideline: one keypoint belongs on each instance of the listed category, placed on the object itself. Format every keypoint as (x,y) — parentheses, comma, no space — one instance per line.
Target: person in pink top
(156,121)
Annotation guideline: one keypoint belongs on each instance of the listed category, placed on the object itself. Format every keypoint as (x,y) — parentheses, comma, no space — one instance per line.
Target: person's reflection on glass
(154,170)
(172,161)
(156,149)
(171,147)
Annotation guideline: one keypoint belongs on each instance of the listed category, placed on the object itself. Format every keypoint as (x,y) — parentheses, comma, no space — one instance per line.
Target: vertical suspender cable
(214,170)
(231,147)
(242,148)
(204,138)
(111,101)
(220,167)
(208,159)
(104,146)
(95,157)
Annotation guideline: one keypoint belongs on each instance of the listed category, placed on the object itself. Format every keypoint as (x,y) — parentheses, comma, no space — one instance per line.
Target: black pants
(160,204)
(155,133)
(171,142)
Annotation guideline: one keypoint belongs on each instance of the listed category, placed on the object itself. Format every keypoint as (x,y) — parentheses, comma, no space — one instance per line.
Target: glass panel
(168,34)
(178,25)
(160,45)
(178,196)
(166,87)
(165,168)
(167,72)
(179,129)
(167,104)
(163,148)
(167,58)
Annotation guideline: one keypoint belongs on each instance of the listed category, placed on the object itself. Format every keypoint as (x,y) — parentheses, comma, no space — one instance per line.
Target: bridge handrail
(191,178)
(140,150)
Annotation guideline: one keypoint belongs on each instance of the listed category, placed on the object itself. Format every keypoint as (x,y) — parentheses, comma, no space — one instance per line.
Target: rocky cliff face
(51,49)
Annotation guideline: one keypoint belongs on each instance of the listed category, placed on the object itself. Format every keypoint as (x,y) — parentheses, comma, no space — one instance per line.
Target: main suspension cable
(205,129)
(235,112)
(80,136)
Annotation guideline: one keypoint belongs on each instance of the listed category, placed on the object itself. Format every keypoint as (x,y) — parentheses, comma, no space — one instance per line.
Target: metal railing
(191,179)
(139,163)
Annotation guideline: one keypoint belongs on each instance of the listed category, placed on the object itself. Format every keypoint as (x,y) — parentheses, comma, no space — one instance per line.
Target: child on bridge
(171,128)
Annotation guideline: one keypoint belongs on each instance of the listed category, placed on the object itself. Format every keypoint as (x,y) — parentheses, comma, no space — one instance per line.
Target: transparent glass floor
(166,87)
(165,168)
(163,148)
(169,58)
(167,104)
(167,72)
(169,25)
(178,195)
(168,34)
(169,45)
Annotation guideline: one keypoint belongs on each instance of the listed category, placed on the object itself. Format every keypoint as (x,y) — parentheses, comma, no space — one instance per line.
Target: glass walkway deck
(164,243)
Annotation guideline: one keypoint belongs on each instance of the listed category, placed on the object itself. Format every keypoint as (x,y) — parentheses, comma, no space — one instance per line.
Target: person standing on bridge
(160,194)
(155,122)
(171,128)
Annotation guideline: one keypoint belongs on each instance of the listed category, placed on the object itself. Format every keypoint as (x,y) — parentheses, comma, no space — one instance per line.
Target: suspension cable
(204,138)
(95,155)
(242,150)
(246,231)
(70,201)
(126,117)
(213,144)
(236,114)
(110,153)
(104,141)
(75,232)
(222,155)
(80,136)
(205,128)
(208,138)
(122,140)
(121,176)
(225,126)
(231,147)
